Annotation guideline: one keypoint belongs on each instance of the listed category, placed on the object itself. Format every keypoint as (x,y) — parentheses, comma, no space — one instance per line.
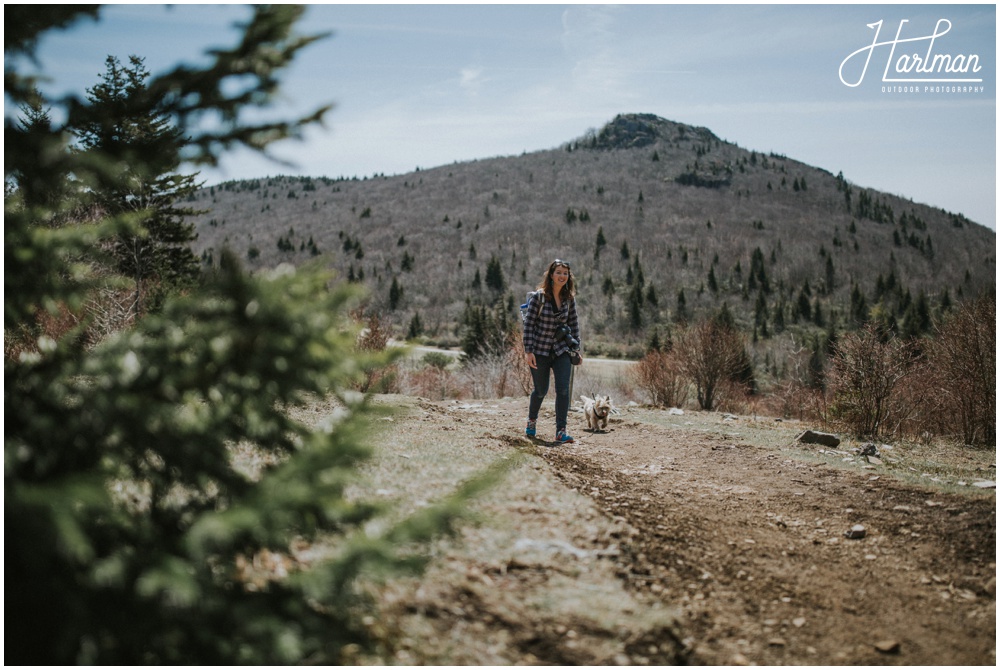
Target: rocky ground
(700,538)
(753,544)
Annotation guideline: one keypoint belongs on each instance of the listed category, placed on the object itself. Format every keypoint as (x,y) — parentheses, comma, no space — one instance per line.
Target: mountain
(697,221)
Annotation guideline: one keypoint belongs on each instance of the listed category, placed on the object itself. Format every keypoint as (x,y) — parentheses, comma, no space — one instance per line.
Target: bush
(795,399)
(437,359)
(515,359)
(431,382)
(491,375)
(659,374)
(961,370)
(867,370)
(373,338)
(711,354)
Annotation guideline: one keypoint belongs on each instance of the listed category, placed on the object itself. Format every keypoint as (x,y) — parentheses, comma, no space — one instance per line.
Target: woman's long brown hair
(569,290)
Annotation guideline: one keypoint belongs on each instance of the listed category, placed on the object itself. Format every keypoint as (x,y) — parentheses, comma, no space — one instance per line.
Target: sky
(419,86)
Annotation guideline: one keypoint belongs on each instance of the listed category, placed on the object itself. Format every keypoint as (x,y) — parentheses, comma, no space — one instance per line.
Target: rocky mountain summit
(635,131)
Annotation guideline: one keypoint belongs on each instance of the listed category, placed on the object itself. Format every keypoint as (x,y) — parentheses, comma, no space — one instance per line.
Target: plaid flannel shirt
(540,327)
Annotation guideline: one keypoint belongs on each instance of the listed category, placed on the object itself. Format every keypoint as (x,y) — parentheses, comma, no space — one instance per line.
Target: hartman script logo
(926,64)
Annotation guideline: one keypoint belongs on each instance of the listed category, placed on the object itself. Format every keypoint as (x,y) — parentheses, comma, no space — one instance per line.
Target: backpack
(527,301)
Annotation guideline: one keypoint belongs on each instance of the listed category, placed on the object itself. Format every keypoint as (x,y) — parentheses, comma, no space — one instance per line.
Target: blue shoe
(562,437)
(530,430)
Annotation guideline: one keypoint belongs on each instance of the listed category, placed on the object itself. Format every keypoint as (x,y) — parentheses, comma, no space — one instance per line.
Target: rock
(888,646)
(856,532)
(674,411)
(815,437)
(868,449)
(799,622)
(985,485)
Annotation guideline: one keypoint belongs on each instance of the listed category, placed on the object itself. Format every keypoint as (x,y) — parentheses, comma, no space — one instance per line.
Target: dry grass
(533,558)
(937,464)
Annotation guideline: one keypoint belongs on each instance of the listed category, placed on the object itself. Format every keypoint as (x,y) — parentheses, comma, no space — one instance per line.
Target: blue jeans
(561,368)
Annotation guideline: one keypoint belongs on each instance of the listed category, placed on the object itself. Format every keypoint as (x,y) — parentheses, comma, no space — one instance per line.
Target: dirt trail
(750,542)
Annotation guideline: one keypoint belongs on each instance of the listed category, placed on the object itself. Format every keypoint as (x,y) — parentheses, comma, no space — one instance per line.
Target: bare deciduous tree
(710,354)
(659,374)
(866,373)
(962,366)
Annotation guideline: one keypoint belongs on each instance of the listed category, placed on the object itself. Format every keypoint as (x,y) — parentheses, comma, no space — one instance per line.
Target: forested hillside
(662,222)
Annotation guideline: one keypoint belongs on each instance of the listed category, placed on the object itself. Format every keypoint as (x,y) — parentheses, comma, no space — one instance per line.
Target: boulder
(815,437)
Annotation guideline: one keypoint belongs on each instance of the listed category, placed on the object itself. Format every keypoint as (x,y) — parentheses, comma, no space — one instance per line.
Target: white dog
(597,411)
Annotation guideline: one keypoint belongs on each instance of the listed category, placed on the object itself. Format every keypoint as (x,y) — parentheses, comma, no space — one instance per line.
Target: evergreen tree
(859,306)
(494,276)
(601,242)
(474,335)
(395,295)
(724,318)
(35,130)
(779,315)
(760,314)
(682,314)
(917,319)
(635,301)
(639,276)
(416,328)
(126,520)
(816,370)
(651,298)
(486,330)
(125,125)
(817,314)
(758,272)
(713,284)
(653,343)
(944,304)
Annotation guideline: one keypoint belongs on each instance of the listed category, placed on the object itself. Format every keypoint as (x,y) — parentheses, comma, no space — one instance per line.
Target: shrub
(710,353)
(515,359)
(961,361)
(431,382)
(659,374)
(798,400)
(437,359)
(491,375)
(866,373)
(373,338)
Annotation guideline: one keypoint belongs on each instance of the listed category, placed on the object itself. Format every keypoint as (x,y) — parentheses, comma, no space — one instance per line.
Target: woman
(546,348)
